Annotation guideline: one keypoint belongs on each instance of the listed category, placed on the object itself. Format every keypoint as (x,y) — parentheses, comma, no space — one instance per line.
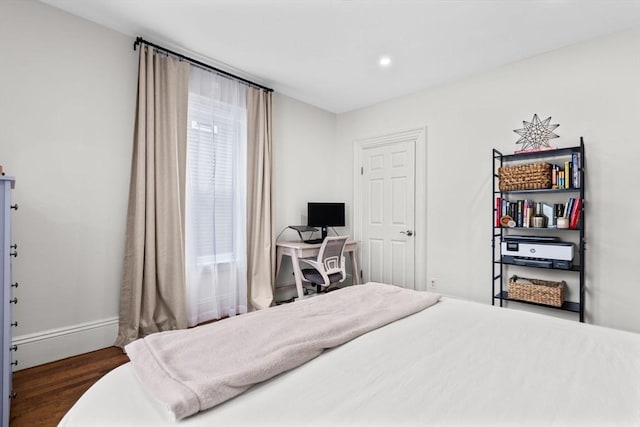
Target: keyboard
(313,241)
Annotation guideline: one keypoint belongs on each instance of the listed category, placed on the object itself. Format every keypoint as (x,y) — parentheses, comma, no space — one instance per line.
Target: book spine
(575,161)
(560,179)
(519,214)
(568,207)
(498,211)
(575,214)
(572,181)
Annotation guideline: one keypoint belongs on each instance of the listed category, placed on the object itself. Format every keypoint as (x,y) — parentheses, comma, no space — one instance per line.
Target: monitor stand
(324,229)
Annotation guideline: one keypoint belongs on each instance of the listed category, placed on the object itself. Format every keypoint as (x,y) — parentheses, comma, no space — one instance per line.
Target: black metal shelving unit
(498,291)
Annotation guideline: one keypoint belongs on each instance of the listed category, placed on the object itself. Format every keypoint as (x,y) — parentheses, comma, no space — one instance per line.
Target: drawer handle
(14,363)
(13,301)
(13,348)
(14,285)
(14,207)
(14,254)
(14,324)
(14,246)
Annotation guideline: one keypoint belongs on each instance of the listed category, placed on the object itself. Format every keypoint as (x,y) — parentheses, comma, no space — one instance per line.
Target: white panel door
(388,213)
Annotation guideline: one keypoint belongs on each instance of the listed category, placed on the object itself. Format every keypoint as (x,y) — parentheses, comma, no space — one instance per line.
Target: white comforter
(195,369)
(455,364)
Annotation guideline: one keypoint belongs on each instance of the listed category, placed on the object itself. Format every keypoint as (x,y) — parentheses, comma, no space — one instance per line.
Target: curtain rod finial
(137,42)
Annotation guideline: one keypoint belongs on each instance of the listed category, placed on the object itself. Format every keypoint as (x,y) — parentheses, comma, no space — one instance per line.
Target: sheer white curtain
(216,264)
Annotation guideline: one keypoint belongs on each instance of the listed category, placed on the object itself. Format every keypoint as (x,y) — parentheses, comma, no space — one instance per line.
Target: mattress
(457,363)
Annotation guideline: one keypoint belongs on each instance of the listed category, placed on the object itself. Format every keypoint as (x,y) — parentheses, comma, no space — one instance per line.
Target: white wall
(304,151)
(304,157)
(66,125)
(591,90)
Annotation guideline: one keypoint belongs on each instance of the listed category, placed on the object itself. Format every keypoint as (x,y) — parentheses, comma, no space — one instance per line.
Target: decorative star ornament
(536,134)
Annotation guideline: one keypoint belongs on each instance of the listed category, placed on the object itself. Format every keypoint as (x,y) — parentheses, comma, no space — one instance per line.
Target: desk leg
(278,261)
(297,274)
(354,265)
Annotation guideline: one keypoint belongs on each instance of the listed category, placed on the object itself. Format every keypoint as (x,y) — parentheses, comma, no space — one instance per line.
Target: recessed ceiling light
(384,61)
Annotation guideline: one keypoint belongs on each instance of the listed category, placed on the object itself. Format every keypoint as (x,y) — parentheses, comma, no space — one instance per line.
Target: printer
(534,251)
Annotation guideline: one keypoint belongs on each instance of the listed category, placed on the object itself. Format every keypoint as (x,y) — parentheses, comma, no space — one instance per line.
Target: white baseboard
(55,344)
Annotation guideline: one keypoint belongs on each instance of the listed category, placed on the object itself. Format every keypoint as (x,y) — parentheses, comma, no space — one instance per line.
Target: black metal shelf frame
(498,233)
(573,268)
(566,306)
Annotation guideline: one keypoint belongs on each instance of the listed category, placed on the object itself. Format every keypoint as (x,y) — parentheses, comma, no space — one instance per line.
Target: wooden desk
(297,250)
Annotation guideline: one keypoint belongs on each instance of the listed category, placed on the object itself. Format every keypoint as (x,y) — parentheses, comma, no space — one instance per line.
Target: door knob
(408,232)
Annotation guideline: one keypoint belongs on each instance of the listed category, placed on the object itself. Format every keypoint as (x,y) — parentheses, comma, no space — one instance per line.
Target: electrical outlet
(433,284)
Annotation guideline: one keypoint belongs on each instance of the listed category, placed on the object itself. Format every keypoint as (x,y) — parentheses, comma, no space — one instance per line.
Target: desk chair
(329,267)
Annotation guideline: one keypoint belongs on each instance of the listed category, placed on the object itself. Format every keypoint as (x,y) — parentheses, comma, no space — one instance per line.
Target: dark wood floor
(45,393)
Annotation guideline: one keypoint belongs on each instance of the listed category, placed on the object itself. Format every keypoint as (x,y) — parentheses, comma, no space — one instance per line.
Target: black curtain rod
(140,40)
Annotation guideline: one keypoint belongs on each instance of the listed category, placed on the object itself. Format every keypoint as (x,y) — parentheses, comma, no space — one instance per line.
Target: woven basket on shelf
(536,290)
(532,176)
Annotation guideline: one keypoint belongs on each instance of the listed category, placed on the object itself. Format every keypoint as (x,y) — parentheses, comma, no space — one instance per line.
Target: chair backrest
(331,254)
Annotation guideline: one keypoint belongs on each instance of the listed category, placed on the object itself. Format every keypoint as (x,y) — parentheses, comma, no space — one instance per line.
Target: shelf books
(522,211)
(567,175)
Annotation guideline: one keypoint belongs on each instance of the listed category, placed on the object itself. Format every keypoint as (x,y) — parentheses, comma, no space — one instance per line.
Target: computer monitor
(325,215)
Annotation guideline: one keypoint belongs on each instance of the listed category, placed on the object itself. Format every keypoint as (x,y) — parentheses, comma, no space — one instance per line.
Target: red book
(574,218)
(498,211)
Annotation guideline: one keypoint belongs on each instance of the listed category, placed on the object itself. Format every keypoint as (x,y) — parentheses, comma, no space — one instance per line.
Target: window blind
(212,168)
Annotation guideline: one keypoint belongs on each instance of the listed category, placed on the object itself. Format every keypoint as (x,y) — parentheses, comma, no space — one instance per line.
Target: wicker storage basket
(532,176)
(535,290)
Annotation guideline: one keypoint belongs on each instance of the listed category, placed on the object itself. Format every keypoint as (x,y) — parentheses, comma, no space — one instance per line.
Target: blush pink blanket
(195,369)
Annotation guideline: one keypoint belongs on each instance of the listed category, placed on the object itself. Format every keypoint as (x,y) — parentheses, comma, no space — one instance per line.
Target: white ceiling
(325,52)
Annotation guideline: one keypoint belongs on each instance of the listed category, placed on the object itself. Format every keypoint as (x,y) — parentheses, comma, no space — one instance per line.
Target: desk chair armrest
(317,266)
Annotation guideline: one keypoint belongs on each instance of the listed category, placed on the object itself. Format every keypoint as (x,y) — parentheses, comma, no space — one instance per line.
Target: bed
(455,363)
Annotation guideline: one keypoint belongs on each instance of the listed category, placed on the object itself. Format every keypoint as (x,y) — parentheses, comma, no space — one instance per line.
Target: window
(213,163)
(216,197)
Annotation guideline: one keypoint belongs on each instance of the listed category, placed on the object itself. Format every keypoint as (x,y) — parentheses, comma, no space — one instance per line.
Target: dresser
(8,251)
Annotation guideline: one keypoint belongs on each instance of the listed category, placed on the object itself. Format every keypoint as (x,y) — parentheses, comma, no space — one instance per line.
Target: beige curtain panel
(152,296)
(260,252)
